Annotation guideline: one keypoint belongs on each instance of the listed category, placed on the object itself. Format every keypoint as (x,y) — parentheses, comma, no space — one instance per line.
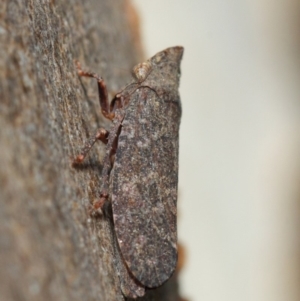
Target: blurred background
(239,202)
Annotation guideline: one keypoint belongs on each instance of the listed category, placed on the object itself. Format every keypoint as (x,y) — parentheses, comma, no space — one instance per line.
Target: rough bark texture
(50,249)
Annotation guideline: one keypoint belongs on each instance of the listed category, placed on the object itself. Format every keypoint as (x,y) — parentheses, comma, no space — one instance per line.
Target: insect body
(142,181)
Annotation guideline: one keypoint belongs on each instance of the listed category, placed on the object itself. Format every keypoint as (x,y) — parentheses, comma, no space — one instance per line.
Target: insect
(140,168)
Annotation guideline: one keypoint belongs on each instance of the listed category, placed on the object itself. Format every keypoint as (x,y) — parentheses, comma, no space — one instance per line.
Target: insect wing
(144,187)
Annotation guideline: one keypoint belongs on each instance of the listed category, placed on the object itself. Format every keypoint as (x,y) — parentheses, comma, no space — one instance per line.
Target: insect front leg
(102,134)
(103,96)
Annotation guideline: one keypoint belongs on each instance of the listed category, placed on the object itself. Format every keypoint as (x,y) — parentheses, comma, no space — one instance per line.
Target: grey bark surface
(50,249)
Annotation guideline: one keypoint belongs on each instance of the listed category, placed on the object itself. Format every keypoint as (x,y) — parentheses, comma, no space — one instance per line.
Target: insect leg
(103,97)
(101,135)
(107,162)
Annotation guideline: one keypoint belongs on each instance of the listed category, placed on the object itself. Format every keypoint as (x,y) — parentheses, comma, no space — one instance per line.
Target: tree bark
(50,248)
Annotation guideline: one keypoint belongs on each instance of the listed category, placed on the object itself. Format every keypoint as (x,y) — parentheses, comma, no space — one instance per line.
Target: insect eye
(141,71)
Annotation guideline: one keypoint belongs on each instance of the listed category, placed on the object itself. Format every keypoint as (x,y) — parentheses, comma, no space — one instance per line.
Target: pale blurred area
(239,205)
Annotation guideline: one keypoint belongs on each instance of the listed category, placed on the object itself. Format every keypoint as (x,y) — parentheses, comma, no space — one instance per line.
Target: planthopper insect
(140,168)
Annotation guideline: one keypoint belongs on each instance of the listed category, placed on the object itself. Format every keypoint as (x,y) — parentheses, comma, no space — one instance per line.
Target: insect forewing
(145,174)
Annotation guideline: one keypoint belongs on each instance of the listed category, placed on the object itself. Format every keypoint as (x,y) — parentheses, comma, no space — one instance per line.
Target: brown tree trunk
(50,249)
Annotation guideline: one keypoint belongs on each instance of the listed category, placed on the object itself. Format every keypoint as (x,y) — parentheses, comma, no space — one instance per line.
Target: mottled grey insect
(140,169)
